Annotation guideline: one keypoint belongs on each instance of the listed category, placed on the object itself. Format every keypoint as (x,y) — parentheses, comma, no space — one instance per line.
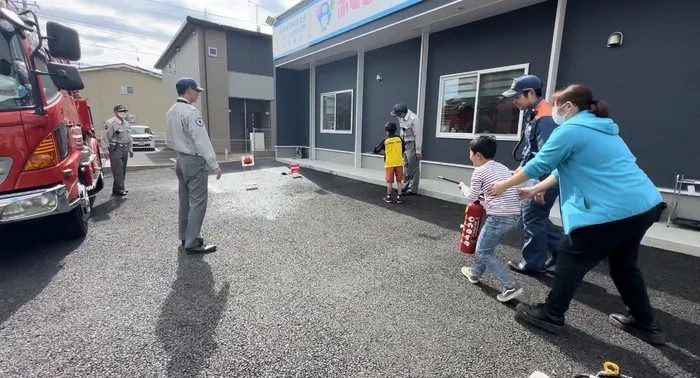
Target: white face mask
(558,119)
(122,115)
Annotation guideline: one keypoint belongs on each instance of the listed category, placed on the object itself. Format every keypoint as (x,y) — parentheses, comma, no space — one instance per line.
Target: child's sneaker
(509,294)
(467,271)
(387,199)
(399,199)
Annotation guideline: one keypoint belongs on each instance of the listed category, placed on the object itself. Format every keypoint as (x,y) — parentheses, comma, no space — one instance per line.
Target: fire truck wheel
(76,222)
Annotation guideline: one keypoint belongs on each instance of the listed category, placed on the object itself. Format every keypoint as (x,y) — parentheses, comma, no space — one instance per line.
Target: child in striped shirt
(503,215)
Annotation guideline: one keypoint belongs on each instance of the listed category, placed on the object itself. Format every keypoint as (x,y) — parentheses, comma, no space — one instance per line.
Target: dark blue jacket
(538,128)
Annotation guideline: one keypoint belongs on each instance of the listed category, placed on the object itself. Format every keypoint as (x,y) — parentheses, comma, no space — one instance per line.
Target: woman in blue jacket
(607,205)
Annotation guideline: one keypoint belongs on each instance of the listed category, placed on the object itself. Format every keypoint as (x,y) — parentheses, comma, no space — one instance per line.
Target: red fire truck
(50,163)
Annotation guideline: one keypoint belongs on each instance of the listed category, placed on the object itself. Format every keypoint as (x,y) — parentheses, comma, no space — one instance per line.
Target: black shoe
(522,269)
(387,199)
(652,333)
(552,261)
(122,193)
(537,316)
(202,249)
(399,199)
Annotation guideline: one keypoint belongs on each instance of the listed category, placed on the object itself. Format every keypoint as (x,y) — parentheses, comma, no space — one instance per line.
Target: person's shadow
(189,317)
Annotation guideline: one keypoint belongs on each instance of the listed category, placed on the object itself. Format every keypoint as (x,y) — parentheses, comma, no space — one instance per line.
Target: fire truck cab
(50,163)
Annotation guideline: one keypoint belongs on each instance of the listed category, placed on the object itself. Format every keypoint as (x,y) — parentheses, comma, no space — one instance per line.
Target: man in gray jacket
(118,147)
(188,136)
(412,134)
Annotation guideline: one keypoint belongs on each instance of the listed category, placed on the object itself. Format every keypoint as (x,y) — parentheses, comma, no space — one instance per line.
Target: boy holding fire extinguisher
(503,215)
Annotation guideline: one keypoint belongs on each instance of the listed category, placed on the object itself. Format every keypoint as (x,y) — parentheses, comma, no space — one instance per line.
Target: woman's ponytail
(600,109)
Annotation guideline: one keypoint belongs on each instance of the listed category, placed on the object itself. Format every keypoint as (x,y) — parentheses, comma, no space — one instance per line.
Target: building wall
(336,76)
(292,104)
(216,89)
(646,80)
(102,90)
(258,87)
(250,54)
(499,41)
(184,63)
(399,66)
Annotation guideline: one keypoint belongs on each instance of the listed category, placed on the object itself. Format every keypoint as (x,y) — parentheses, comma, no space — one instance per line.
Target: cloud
(117,31)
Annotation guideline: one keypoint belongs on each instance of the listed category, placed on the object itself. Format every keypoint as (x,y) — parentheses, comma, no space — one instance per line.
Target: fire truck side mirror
(64,42)
(65,76)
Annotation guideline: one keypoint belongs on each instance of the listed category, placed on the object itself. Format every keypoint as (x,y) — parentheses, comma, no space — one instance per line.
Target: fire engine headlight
(44,203)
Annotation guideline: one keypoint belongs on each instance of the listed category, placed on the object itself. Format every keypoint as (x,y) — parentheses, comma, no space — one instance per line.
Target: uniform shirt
(187,133)
(394,148)
(118,131)
(412,130)
(483,179)
(539,127)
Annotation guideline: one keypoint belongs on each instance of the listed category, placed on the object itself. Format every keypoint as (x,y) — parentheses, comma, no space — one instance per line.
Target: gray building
(235,68)
(340,70)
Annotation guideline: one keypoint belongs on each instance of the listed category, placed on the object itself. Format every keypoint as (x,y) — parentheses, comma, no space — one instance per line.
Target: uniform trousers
(193,179)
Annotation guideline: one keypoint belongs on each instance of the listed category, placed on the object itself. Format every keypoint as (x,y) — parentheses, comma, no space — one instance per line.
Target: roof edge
(194,22)
(121,65)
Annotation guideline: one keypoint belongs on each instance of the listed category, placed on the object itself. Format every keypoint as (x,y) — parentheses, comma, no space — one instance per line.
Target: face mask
(558,119)
(122,114)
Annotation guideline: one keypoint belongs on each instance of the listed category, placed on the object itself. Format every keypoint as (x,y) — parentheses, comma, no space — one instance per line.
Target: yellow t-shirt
(393,155)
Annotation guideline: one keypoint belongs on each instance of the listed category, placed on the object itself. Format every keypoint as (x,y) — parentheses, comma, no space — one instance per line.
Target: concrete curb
(130,168)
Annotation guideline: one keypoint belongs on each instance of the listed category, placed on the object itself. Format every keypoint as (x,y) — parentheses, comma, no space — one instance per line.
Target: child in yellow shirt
(394,148)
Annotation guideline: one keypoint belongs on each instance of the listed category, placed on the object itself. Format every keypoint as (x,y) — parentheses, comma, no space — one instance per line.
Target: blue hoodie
(599,180)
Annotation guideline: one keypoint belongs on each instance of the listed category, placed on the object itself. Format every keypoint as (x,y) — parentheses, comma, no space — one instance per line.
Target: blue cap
(399,108)
(120,108)
(523,83)
(187,82)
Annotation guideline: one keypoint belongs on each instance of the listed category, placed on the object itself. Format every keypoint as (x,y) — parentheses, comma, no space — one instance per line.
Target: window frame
(335,117)
(477,74)
(126,90)
(216,51)
(130,117)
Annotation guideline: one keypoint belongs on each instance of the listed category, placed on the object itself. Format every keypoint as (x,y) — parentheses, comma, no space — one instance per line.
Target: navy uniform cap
(188,82)
(522,83)
(120,108)
(399,109)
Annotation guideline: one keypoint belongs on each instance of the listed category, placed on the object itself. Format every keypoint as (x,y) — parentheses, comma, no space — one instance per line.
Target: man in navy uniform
(541,235)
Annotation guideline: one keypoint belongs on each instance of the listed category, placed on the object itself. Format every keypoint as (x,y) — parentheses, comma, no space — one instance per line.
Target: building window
(131,118)
(126,90)
(213,52)
(336,112)
(469,104)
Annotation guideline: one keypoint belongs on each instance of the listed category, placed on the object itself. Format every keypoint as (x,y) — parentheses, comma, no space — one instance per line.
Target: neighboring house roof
(121,67)
(189,26)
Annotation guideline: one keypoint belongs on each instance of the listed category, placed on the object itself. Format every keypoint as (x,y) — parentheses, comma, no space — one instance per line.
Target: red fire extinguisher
(470,229)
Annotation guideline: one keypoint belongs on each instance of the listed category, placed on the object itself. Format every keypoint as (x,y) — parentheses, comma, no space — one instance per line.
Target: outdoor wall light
(270,21)
(615,39)
(379,77)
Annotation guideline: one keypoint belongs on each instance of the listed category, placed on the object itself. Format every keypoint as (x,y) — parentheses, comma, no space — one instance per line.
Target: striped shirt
(483,179)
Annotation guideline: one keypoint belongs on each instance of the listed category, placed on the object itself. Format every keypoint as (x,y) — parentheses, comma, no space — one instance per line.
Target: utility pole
(24,5)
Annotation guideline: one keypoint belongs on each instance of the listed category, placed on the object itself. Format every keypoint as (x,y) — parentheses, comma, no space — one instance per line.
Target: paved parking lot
(315,277)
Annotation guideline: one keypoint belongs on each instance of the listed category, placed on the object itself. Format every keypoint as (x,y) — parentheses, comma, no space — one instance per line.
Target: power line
(110,30)
(116,48)
(191,10)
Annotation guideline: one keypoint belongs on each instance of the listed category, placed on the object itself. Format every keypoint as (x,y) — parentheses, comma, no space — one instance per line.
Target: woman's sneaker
(387,199)
(399,199)
(467,271)
(509,294)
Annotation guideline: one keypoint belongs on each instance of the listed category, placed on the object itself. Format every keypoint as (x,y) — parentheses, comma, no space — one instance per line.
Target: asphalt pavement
(314,277)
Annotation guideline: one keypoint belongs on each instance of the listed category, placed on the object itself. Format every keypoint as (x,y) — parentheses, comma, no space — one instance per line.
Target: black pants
(580,252)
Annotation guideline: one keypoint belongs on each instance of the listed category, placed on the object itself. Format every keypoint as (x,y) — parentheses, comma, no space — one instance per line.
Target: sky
(138,31)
